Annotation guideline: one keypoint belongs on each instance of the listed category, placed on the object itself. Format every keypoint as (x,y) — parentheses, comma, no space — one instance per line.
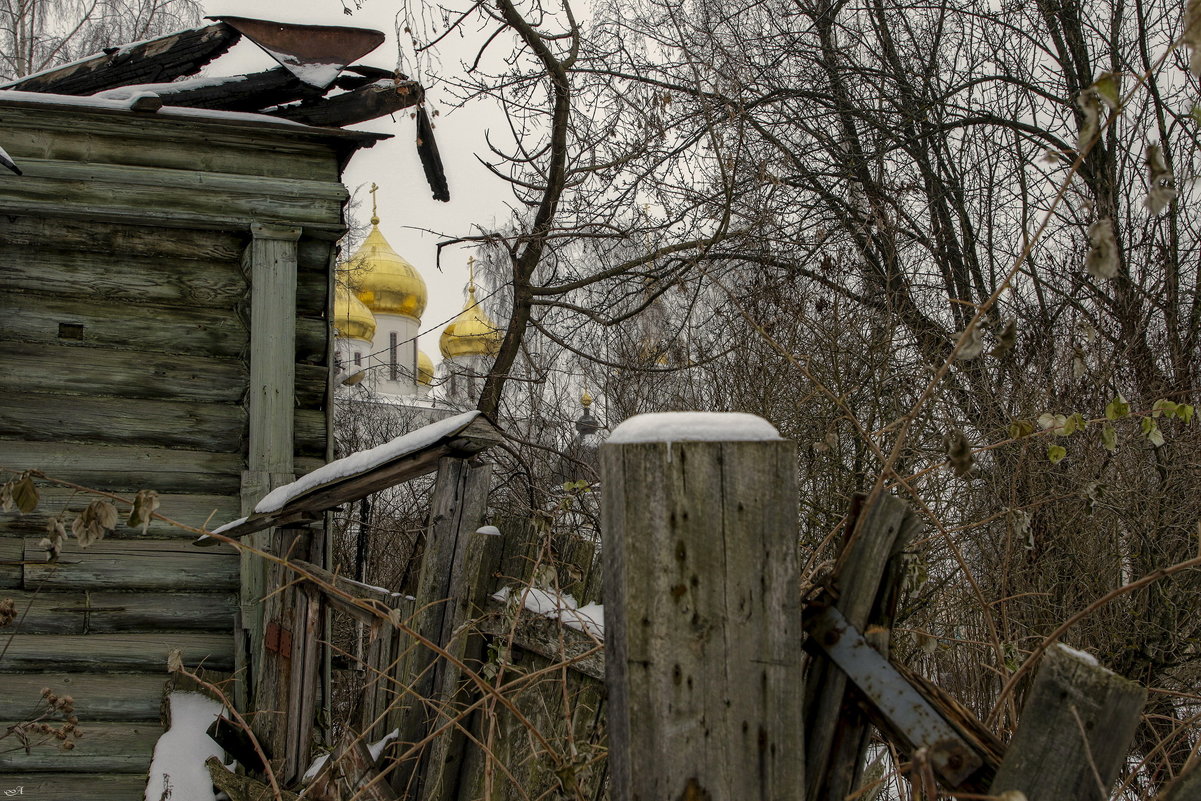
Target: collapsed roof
(316,82)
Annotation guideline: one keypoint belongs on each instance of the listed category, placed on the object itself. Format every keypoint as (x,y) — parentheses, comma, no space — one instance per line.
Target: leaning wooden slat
(1074,731)
(475,436)
(129,468)
(132,564)
(103,748)
(76,786)
(98,696)
(547,638)
(164,58)
(115,652)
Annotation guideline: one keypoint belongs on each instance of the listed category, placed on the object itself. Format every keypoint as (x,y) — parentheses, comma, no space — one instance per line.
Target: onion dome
(472,333)
(425,369)
(387,283)
(352,319)
(587,425)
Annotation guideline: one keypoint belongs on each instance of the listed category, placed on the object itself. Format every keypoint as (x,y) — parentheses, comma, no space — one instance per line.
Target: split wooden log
(243,788)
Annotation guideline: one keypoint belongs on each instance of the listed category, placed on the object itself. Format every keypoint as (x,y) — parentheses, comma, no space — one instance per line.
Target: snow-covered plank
(360,474)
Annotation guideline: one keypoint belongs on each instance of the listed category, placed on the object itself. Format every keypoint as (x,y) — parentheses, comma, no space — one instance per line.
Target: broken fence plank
(1074,732)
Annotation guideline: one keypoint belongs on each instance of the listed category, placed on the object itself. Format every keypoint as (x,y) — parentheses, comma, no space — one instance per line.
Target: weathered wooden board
(138,279)
(68,369)
(63,369)
(11,552)
(75,786)
(547,638)
(1074,733)
(129,468)
(203,426)
(132,565)
(159,329)
(61,612)
(180,153)
(172,197)
(116,652)
(174,140)
(103,748)
(567,708)
(195,283)
(98,696)
(177,247)
(191,510)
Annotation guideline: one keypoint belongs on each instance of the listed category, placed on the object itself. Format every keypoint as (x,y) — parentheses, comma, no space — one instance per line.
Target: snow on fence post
(1075,731)
(702,609)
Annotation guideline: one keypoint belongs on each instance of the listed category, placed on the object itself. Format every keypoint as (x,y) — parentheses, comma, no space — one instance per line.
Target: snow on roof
(589,618)
(694,427)
(106,103)
(364,461)
(126,92)
(177,770)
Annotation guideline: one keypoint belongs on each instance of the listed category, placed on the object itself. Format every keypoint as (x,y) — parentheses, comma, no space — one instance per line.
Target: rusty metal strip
(905,708)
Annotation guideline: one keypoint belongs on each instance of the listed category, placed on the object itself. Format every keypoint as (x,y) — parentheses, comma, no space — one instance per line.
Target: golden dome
(387,283)
(352,318)
(472,333)
(425,369)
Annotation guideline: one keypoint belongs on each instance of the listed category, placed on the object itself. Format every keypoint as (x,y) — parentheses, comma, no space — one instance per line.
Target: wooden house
(166,282)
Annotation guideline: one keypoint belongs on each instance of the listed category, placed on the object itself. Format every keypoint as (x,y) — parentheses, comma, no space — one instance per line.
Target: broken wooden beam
(158,60)
(369,102)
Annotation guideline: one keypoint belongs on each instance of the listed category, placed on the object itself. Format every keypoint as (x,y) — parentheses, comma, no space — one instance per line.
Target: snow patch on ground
(363,461)
(694,427)
(178,771)
(589,618)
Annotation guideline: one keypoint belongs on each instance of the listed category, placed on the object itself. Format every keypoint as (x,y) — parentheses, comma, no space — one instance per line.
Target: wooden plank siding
(125,320)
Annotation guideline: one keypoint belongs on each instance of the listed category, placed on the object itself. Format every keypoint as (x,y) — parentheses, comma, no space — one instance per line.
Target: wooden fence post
(702,610)
(1075,729)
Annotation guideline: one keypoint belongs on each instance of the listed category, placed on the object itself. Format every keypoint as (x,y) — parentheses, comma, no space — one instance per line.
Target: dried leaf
(1056,453)
(25,495)
(1109,88)
(144,504)
(175,661)
(1048,421)
(973,343)
(99,518)
(959,452)
(1019,525)
(1161,184)
(1151,431)
(1109,437)
(1117,408)
(1006,337)
(1102,259)
(6,496)
(56,535)
(1089,102)
(1020,428)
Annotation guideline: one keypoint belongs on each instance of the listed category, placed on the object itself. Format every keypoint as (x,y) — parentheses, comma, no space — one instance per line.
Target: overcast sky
(408,213)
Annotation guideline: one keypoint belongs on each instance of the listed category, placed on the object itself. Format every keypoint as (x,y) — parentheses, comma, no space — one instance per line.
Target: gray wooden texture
(128,697)
(1074,732)
(447,587)
(116,652)
(103,748)
(92,612)
(78,786)
(189,510)
(116,564)
(702,620)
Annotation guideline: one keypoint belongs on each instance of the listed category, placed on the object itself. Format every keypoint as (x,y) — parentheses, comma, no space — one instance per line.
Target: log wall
(125,364)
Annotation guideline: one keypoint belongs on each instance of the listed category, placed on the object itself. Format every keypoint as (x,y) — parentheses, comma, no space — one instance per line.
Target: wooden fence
(716,680)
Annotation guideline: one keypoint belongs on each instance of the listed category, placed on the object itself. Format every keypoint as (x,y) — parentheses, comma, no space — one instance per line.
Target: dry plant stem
(1182,727)
(1088,751)
(254,741)
(1053,637)
(374,609)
